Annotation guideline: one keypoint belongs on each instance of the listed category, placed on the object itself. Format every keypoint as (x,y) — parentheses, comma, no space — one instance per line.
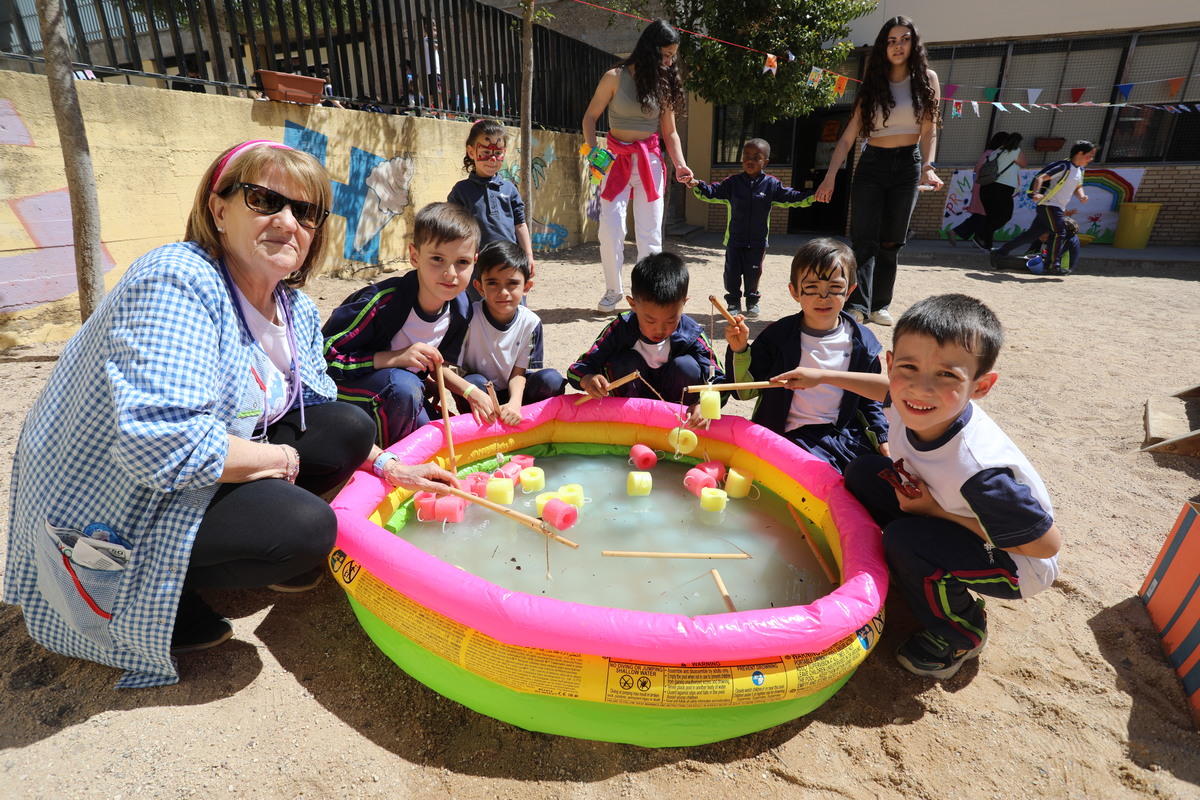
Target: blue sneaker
(928,654)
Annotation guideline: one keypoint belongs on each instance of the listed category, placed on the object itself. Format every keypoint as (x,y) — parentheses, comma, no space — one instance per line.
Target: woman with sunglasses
(641,95)
(187,431)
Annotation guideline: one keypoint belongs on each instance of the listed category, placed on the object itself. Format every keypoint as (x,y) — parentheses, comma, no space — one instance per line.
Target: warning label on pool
(707,684)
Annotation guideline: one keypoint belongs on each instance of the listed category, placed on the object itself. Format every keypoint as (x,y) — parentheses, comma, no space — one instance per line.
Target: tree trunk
(77,158)
(526,166)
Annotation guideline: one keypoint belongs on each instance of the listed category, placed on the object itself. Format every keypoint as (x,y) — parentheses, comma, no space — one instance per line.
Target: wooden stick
(712,298)
(492,394)
(644,554)
(721,588)
(812,543)
(735,387)
(633,376)
(446,418)
(526,520)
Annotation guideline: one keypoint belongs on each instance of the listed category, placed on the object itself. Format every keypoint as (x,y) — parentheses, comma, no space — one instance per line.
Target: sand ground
(1072,698)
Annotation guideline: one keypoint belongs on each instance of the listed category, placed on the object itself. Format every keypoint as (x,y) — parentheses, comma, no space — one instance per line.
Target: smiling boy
(830,423)
(981,518)
(668,348)
(384,340)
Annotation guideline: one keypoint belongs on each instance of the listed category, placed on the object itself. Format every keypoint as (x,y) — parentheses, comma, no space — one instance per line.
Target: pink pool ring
(696,480)
(643,457)
(559,514)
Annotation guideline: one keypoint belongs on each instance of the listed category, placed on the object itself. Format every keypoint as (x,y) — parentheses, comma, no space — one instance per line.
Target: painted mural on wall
(47,273)
(1106,189)
(376,191)
(545,234)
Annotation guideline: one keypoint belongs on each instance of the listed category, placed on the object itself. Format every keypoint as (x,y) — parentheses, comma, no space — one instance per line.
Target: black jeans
(266,531)
(882,196)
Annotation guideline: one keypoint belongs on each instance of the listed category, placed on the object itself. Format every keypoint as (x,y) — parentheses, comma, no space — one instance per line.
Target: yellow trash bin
(1134,223)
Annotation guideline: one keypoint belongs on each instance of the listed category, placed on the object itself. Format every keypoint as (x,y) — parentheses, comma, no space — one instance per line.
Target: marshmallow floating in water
(543,498)
(737,483)
(714,468)
(500,490)
(560,515)
(533,479)
(712,499)
(642,457)
(572,493)
(697,480)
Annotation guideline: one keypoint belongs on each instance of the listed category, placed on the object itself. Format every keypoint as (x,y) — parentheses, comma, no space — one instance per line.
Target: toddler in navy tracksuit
(749,196)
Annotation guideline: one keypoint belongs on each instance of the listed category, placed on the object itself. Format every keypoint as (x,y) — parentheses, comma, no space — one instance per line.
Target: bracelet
(467,392)
(291,463)
(382,462)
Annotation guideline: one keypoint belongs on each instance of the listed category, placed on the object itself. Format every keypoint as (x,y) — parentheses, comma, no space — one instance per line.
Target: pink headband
(235,152)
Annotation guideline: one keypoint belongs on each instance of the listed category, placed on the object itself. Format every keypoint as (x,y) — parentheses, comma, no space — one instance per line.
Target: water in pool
(782,571)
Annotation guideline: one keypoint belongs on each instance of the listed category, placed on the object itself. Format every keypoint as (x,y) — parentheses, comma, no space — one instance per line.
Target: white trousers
(647,222)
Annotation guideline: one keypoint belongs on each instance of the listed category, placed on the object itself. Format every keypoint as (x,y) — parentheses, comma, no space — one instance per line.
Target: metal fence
(408,56)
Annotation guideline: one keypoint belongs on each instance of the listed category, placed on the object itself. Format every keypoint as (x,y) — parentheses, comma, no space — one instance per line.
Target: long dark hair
(875,93)
(1013,141)
(656,85)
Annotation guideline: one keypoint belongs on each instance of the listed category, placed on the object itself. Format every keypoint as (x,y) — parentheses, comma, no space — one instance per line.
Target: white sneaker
(882,317)
(857,315)
(608,303)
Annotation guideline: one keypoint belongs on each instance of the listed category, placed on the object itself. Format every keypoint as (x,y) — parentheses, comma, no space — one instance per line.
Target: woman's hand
(683,173)
(930,178)
(824,192)
(419,477)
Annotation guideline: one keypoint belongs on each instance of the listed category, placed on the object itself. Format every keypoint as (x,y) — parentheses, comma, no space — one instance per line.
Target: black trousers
(266,531)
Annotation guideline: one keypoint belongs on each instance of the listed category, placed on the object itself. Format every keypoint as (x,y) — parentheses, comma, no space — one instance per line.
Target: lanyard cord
(285,308)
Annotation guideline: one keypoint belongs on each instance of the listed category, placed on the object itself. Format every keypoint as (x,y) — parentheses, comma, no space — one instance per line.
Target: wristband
(467,392)
(382,462)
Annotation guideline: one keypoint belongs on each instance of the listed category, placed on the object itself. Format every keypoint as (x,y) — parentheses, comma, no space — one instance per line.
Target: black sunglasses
(262,200)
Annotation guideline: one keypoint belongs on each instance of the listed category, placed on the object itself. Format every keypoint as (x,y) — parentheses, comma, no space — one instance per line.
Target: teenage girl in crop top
(897,112)
(640,94)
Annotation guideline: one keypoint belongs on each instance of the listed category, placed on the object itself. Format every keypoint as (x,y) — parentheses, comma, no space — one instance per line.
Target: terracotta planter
(291,88)
(1048,144)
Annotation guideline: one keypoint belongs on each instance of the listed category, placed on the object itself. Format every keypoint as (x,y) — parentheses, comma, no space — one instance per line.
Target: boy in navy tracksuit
(665,346)
(1066,181)
(749,196)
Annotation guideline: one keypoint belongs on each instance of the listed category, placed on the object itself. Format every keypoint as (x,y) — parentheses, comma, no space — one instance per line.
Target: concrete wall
(150,148)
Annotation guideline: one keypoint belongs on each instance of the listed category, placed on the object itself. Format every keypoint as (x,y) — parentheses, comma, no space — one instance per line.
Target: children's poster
(1106,190)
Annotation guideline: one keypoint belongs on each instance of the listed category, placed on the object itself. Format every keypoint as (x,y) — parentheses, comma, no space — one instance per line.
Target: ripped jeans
(882,197)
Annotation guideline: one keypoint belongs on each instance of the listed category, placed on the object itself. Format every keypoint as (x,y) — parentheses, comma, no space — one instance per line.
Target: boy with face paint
(832,424)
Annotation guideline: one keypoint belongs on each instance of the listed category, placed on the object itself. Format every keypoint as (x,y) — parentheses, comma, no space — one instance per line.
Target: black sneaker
(752,311)
(300,583)
(197,626)
(994,258)
(928,654)
(734,309)
(980,245)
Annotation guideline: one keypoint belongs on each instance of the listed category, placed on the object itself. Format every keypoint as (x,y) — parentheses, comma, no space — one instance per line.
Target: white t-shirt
(492,349)
(418,327)
(1067,190)
(655,354)
(1009,171)
(821,350)
(273,339)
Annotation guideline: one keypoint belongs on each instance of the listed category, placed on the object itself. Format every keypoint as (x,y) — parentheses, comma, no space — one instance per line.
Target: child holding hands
(974,516)
(504,339)
(832,424)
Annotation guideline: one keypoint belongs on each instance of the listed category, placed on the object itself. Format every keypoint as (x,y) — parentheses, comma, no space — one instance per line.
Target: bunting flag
(975,107)
(1033,95)
(1124,89)
(1077,93)
(771,65)
(1000,106)
(787,55)
(991,93)
(840,87)
(955,109)
(814,76)
(951,88)
(1020,107)
(1175,85)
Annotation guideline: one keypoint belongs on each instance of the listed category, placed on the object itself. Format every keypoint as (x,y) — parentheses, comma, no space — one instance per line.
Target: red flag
(1076,94)
(1176,84)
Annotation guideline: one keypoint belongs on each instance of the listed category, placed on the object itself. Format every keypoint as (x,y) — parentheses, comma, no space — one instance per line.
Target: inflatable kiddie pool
(651,679)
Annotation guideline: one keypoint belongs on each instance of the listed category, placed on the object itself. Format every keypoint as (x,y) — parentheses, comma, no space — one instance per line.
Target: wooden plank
(1193,391)
(1166,418)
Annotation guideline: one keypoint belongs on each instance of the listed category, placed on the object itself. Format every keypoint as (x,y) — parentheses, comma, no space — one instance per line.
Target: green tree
(725,75)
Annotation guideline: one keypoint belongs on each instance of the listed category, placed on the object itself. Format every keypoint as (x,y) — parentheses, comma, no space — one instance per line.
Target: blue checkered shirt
(130,431)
